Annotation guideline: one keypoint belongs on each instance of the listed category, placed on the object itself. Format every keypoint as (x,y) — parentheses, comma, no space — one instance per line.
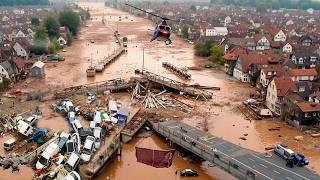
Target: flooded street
(224,118)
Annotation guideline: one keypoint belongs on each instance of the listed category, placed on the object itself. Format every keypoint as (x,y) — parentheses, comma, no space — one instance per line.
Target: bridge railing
(211,154)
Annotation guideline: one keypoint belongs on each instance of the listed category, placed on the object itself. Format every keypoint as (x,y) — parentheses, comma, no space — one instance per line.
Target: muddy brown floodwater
(223,117)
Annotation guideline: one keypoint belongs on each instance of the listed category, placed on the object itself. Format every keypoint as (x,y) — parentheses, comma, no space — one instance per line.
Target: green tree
(216,54)
(35,21)
(185,32)
(193,7)
(54,46)
(52,26)
(69,38)
(203,48)
(40,41)
(71,20)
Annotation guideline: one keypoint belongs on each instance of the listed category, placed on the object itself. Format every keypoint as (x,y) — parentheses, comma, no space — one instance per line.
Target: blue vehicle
(38,136)
(300,160)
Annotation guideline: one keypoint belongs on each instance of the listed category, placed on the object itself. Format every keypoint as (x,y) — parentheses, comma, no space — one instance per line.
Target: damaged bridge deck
(176,85)
(240,162)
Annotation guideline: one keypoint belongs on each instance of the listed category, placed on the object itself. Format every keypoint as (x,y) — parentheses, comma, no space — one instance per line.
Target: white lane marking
(281,167)
(276,171)
(251,159)
(289,178)
(263,165)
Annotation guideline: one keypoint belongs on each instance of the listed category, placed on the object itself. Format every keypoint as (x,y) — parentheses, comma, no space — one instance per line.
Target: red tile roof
(234,53)
(303,72)
(308,106)
(284,85)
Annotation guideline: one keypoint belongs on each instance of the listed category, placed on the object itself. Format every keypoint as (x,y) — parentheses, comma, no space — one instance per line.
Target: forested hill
(23,2)
(262,5)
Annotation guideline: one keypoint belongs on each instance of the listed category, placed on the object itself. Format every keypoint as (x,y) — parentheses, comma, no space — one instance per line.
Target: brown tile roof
(280,71)
(234,53)
(284,85)
(254,58)
(303,72)
(308,106)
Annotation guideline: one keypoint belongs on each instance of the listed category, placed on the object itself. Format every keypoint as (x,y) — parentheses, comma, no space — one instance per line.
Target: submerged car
(88,149)
(73,175)
(188,172)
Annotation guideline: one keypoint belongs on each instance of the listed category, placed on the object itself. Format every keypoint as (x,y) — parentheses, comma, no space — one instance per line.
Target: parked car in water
(46,155)
(32,120)
(72,162)
(97,133)
(88,149)
(188,172)
(71,146)
(73,176)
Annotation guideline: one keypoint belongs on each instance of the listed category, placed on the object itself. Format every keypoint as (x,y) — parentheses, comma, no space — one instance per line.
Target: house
(6,70)
(303,74)
(276,90)
(229,43)
(305,40)
(263,42)
(37,70)
(287,48)
(304,60)
(62,41)
(216,31)
(231,57)
(267,73)
(247,62)
(278,35)
(22,47)
(227,21)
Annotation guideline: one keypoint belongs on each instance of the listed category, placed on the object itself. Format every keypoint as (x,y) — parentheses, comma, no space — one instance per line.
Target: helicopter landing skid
(168,41)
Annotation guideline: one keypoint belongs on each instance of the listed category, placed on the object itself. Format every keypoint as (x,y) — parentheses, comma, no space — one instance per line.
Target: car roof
(73,158)
(89,142)
(10,141)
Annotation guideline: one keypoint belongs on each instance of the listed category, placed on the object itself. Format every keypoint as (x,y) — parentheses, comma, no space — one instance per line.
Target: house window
(302,89)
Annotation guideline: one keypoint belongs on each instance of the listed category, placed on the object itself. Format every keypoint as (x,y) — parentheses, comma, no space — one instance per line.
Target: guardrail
(229,164)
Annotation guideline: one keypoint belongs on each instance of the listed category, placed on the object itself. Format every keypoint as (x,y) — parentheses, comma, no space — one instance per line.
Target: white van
(97,133)
(9,144)
(32,119)
(25,128)
(47,154)
(88,149)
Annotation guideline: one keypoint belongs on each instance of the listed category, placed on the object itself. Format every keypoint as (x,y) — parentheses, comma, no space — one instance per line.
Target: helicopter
(161,30)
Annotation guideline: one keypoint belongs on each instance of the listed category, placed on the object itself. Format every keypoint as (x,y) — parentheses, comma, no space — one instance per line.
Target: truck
(284,152)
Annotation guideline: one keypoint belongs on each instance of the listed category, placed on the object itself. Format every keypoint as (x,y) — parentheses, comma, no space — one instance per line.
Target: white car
(32,119)
(72,162)
(73,175)
(88,149)
(97,133)
(46,155)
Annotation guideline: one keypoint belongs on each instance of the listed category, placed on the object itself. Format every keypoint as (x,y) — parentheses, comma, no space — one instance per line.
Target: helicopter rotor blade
(163,18)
